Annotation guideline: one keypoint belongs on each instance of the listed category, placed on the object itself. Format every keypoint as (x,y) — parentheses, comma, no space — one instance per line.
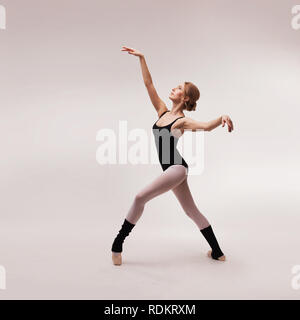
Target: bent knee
(140,198)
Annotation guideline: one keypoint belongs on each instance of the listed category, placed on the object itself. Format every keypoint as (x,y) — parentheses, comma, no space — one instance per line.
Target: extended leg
(168,179)
(183,194)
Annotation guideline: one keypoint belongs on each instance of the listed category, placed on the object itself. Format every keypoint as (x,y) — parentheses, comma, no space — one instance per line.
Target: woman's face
(177,93)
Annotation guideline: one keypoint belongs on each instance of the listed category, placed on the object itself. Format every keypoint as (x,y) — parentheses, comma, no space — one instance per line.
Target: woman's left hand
(226,119)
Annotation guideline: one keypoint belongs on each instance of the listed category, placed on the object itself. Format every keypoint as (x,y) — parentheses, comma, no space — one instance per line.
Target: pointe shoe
(117,258)
(222,258)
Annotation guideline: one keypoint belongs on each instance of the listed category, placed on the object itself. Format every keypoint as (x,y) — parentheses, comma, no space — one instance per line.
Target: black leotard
(166,145)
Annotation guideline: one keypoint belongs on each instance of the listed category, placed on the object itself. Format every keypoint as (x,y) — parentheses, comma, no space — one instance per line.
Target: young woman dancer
(169,127)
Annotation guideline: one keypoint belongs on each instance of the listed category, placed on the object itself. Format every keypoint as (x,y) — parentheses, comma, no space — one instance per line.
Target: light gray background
(64,77)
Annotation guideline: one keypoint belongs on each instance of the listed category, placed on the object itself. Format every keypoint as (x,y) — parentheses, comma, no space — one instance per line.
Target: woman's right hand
(132,51)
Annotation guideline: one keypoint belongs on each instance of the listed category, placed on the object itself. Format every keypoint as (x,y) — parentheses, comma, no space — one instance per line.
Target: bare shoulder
(162,110)
(185,121)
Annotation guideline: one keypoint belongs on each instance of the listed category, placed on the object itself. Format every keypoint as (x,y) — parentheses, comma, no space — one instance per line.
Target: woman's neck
(177,110)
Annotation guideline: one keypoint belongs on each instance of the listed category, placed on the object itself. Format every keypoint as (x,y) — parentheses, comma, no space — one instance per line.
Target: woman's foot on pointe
(222,258)
(117,258)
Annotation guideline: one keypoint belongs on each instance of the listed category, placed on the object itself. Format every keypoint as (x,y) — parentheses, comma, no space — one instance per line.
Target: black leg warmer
(211,239)
(123,233)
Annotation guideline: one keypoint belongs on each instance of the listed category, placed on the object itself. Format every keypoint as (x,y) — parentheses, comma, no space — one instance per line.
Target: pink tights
(175,179)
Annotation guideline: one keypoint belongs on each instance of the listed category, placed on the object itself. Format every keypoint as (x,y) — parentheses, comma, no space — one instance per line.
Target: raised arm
(158,104)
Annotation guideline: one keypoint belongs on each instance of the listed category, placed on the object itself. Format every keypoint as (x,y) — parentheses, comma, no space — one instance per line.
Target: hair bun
(191,106)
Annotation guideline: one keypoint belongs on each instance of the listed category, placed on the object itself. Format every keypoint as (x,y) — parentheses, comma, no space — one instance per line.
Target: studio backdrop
(65,82)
